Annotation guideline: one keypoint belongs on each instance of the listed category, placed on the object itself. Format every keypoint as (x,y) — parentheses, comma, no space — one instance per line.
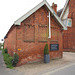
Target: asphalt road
(66,70)
(6,71)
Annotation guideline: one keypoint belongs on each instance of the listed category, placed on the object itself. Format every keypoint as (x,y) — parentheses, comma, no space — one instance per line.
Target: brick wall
(32,35)
(30,38)
(10,41)
(5,43)
(69,35)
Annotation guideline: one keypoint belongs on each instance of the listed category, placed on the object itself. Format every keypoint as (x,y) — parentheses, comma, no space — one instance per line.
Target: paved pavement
(51,68)
(6,71)
(67,70)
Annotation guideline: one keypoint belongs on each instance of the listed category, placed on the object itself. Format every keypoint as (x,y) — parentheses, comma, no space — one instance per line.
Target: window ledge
(29,41)
(42,41)
(54,41)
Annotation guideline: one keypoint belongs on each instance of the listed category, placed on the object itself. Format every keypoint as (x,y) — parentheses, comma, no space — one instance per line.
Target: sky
(11,10)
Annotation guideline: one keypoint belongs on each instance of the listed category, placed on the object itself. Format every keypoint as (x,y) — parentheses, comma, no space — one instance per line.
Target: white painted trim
(65,15)
(64,8)
(44,2)
(18,22)
(49,26)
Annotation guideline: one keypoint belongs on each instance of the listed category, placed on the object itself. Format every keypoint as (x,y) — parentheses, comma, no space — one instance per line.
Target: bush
(9,66)
(5,57)
(15,59)
(10,61)
(5,50)
(46,50)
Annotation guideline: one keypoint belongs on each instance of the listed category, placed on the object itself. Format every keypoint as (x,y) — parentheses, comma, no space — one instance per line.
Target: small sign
(69,22)
(54,47)
(19,49)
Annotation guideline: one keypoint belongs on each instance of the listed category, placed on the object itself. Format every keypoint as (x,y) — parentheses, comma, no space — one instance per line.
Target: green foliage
(9,66)
(46,50)
(1,46)
(6,56)
(10,61)
(15,59)
(0,49)
(5,50)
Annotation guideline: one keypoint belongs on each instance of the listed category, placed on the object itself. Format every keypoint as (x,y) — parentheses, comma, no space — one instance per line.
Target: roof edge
(29,12)
(9,31)
(64,8)
(44,2)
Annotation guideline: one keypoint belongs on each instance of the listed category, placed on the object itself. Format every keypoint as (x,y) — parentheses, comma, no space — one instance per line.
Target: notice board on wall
(54,47)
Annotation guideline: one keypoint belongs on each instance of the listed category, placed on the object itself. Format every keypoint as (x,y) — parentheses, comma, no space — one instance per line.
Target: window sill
(42,41)
(54,41)
(29,41)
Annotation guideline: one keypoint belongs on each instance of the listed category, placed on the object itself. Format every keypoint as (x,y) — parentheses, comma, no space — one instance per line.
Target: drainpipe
(49,26)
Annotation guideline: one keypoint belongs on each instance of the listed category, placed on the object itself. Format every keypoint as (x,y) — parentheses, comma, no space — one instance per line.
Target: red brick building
(68,17)
(30,33)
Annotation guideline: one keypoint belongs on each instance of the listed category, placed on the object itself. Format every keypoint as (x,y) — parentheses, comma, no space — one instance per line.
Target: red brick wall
(32,35)
(5,43)
(69,35)
(30,38)
(10,41)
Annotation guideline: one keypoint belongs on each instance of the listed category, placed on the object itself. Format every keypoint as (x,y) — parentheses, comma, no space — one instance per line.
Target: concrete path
(6,71)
